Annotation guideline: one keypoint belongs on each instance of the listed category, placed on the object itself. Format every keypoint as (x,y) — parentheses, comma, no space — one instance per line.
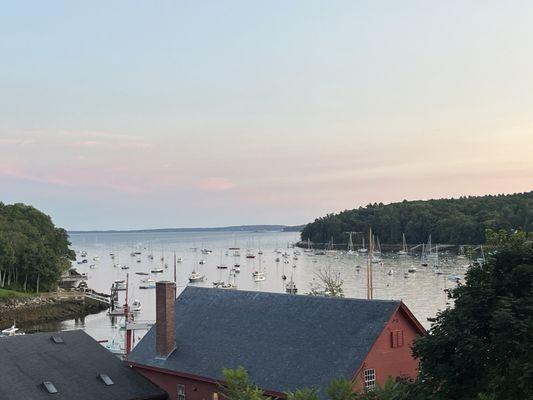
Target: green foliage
(482,348)
(33,252)
(451,221)
(303,394)
(341,389)
(238,386)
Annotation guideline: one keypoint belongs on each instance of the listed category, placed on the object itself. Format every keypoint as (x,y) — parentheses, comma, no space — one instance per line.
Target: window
(396,339)
(106,379)
(215,396)
(370,379)
(181,392)
(50,388)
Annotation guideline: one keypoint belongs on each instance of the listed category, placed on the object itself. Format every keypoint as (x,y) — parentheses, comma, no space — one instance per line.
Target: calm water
(422,291)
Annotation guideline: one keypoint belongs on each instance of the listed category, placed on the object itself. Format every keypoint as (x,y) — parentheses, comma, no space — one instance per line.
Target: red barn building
(285,342)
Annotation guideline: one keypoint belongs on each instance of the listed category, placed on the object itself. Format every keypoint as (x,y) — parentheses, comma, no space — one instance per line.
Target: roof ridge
(262,293)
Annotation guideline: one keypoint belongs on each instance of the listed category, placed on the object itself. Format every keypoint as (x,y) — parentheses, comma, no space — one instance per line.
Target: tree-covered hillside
(33,252)
(452,221)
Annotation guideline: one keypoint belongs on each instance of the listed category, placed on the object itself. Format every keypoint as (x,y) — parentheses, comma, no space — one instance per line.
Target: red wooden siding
(391,354)
(195,389)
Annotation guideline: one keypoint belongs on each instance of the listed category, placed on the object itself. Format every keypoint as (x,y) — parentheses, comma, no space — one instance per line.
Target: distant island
(237,228)
(458,221)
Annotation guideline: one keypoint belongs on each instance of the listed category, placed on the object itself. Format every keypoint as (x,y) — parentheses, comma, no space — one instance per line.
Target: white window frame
(369,379)
(180,392)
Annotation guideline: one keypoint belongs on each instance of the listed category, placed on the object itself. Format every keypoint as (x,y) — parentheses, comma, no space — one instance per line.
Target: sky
(150,114)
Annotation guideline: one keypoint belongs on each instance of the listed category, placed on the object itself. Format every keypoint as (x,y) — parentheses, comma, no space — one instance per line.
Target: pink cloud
(215,184)
(20,142)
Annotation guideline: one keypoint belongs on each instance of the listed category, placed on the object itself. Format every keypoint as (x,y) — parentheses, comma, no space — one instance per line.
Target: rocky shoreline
(26,312)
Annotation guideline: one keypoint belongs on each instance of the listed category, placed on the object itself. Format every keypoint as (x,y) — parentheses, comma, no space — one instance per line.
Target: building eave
(182,374)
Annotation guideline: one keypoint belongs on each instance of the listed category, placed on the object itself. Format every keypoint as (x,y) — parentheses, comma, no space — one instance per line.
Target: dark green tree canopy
(33,252)
(483,346)
(451,221)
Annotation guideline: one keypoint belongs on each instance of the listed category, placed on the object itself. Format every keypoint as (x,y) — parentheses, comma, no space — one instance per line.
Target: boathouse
(67,365)
(284,341)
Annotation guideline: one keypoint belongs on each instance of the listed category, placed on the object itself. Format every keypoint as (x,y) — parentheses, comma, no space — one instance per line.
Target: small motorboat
(258,276)
(11,331)
(228,286)
(411,269)
(125,267)
(119,285)
(147,283)
(136,305)
(179,260)
(202,262)
(236,269)
(218,284)
(157,271)
(222,266)
(141,273)
(117,311)
(291,287)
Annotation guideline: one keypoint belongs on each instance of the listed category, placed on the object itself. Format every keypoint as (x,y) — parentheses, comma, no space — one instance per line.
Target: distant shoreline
(239,228)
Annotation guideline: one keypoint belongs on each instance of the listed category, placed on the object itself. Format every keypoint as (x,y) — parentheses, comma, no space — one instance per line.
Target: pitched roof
(72,367)
(284,341)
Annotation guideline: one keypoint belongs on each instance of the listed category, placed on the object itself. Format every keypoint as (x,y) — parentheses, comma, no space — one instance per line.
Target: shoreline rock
(26,312)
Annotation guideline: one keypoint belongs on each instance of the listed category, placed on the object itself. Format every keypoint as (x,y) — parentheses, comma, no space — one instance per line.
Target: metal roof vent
(57,339)
(106,379)
(50,388)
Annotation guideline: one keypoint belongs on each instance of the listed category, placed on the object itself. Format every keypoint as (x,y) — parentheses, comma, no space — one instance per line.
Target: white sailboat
(363,248)
(195,275)
(309,246)
(403,251)
(350,249)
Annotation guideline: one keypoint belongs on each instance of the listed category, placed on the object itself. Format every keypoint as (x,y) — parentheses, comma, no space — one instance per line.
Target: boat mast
(369,288)
(175,280)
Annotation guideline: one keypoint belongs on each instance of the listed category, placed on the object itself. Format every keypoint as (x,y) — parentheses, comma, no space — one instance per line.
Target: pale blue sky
(130,114)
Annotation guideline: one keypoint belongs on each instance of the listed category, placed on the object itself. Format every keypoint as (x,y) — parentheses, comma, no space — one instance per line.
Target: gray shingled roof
(26,361)
(284,341)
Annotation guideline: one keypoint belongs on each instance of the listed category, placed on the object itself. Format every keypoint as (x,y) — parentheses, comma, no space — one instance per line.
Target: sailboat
(363,248)
(403,251)
(195,275)
(423,260)
(350,249)
(258,274)
(376,256)
(309,246)
(331,247)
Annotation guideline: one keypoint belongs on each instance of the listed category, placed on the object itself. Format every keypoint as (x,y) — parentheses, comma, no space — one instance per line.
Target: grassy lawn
(6,294)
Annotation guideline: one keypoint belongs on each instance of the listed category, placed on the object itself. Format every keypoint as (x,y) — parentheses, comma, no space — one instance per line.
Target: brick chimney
(165,295)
